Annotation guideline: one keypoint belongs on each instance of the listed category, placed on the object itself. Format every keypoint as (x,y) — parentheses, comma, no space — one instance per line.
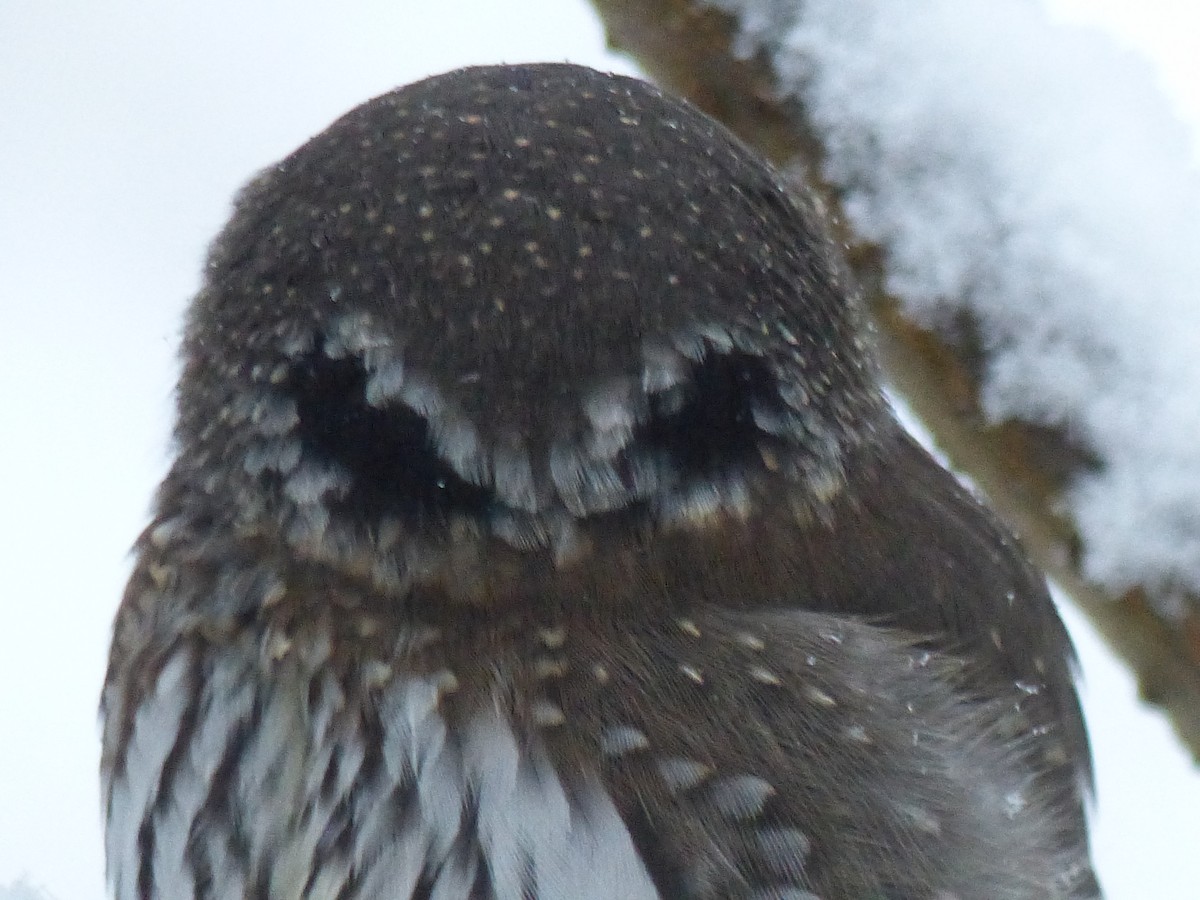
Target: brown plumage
(538,529)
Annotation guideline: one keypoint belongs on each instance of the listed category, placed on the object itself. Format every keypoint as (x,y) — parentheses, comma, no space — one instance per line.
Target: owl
(538,529)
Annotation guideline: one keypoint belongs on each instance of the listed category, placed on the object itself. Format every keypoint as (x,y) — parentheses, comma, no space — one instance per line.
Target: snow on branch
(1032,176)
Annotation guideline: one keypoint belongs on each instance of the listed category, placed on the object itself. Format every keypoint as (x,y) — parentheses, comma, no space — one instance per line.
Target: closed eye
(709,425)
(706,428)
(393,466)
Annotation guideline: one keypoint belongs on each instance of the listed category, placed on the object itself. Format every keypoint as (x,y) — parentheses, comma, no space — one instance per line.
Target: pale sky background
(125,128)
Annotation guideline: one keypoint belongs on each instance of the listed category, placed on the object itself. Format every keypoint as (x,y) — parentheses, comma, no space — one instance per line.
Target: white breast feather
(410,814)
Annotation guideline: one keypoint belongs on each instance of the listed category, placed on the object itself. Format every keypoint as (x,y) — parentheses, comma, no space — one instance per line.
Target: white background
(125,127)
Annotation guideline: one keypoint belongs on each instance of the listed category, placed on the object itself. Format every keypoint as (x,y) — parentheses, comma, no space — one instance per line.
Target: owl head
(483,318)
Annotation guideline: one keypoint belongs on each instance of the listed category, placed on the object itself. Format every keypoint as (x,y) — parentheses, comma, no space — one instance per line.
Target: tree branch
(1023,468)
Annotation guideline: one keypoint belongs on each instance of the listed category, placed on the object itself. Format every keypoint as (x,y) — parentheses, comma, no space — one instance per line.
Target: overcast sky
(126,127)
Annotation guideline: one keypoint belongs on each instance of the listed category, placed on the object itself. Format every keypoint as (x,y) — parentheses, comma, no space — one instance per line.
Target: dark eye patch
(707,428)
(393,464)
(713,430)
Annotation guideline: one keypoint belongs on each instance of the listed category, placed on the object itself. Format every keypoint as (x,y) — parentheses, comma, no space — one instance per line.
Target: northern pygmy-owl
(538,530)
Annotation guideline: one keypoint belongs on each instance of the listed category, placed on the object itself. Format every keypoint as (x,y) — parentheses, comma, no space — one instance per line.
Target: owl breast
(255,777)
